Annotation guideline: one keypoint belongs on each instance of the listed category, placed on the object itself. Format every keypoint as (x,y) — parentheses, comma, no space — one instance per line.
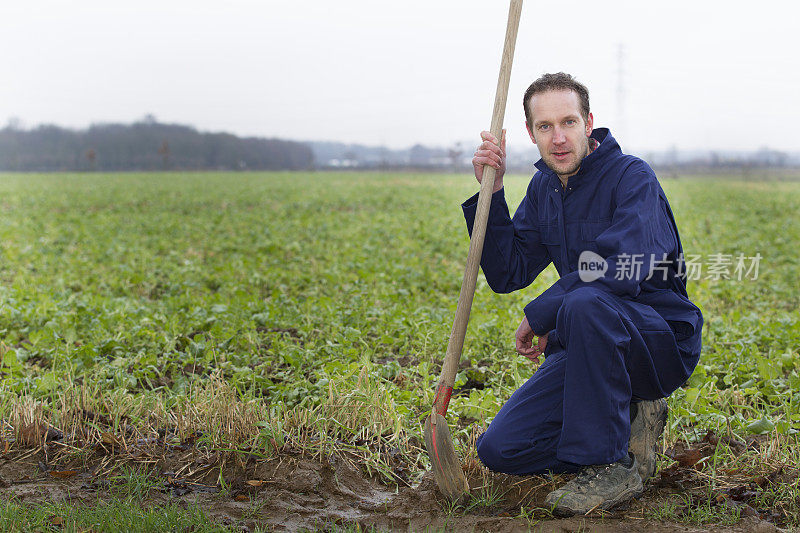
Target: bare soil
(297,493)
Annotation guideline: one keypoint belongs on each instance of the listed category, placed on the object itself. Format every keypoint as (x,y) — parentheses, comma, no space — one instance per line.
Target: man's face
(559,130)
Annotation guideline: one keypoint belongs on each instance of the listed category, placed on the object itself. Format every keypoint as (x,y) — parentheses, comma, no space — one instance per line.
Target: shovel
(445,461)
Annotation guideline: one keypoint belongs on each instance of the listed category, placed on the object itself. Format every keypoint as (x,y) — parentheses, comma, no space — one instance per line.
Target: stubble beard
(569,171)
(564,173)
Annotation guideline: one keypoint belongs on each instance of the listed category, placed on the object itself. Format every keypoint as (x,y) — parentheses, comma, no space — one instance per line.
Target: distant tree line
(151,145)
(144,145)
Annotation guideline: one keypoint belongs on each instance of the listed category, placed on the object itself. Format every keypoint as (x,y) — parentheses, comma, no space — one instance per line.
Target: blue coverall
(624,337)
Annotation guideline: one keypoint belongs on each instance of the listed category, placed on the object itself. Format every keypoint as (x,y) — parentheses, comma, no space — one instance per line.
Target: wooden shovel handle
(445,387)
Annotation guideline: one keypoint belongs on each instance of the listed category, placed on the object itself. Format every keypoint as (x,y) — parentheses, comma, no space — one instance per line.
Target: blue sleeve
(638,233)
(513,254)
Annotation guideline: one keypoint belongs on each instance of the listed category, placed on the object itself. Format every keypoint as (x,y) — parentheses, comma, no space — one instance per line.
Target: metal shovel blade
(444,459)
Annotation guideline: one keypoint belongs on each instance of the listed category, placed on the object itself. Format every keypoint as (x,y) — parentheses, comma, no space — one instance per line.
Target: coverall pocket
(588,233)
(682,316)
(664,358)
(591,230)
(683,330)
(551,238)
(551,235)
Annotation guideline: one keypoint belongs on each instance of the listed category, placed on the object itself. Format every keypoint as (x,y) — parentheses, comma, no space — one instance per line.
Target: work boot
(598,487)
(647,425)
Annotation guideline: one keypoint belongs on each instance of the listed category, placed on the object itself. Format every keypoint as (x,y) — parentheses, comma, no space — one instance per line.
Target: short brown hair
(560,81)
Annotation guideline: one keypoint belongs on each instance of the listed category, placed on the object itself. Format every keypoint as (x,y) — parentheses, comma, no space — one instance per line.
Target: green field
(276,311)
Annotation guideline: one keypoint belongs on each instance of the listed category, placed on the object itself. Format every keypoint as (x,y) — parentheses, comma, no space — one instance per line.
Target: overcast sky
(695,74)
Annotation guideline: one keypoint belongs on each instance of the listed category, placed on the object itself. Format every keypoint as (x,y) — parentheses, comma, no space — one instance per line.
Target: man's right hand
(493,153)
(524,341)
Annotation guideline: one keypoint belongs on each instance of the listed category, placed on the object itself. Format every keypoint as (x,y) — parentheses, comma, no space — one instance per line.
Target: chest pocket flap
(551,235)
(590,230)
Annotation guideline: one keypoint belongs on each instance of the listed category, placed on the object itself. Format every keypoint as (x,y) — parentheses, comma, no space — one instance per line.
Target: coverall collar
(608,145)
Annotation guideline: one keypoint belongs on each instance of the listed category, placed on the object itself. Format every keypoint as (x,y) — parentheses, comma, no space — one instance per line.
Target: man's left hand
(524,338)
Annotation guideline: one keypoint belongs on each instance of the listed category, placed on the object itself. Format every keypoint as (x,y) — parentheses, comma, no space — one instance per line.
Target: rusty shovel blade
(445,461)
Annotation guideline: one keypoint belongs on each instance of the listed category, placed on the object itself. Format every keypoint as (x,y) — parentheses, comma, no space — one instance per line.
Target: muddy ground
(296,493)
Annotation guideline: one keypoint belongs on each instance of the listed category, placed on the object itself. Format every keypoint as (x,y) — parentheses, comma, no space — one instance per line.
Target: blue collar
(608,146)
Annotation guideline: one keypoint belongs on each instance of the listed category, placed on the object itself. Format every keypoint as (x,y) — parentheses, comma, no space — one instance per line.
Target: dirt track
(295,493)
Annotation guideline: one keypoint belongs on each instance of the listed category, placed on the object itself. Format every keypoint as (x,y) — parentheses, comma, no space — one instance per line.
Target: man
(618,339)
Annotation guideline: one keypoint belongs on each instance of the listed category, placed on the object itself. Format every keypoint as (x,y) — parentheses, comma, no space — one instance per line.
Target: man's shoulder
(635,174)
(538,182)
(629,162)
(626,166)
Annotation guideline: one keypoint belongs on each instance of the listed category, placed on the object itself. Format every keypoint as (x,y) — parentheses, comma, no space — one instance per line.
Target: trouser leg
(615,350)
(574,411)
(524,435)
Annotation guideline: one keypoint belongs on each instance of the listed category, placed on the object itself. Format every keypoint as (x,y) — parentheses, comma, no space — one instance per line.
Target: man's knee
(584,301)
(498,455)
(490,452)
(537,458)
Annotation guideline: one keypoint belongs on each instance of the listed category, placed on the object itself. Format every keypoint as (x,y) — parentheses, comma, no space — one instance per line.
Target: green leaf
(691,395)
(768,369)
(10,360)
(760,427)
